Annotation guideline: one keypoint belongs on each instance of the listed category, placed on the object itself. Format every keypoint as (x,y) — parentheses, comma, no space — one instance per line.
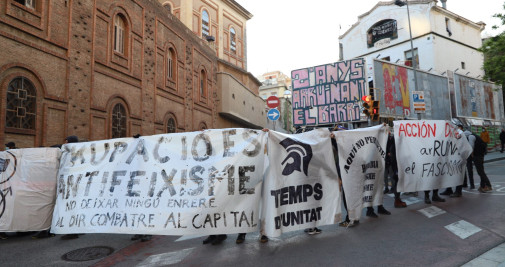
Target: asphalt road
(443,234)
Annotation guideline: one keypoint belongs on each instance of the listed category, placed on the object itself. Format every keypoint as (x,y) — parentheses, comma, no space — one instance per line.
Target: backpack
(480,147)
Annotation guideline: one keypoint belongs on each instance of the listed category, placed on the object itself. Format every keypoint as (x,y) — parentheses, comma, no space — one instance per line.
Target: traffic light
(367,104)
(374,111)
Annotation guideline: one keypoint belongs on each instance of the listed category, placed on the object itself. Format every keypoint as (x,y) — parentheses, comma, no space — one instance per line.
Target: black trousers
(479,165)
(469,168)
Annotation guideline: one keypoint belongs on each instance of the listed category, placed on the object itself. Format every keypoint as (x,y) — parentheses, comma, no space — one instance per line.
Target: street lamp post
(414,62)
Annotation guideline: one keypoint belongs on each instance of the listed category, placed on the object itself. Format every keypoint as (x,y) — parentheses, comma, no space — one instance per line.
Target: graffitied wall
(328,94)
(394,85)
(477,99)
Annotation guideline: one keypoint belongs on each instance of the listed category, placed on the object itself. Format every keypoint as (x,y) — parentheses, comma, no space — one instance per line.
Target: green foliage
(494,55)
(494,58)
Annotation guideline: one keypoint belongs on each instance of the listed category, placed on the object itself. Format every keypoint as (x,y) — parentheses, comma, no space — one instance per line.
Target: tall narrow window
(119,121)
(205,24)
(463,66)
(233,44)
(119,34)
(168,7)
(448,26)
(171,128)
(21,104)
(203,84)
(170,64)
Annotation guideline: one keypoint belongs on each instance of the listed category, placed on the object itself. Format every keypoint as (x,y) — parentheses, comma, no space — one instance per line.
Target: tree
(494,55)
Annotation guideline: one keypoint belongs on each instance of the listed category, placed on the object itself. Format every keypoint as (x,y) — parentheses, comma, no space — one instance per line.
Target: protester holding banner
(393,164)
(479,150)
(435,197)
(502,139)
(347,222)
(10,145)
(70,139)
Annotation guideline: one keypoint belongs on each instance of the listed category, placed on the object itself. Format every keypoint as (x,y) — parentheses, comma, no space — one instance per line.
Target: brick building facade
(99,70)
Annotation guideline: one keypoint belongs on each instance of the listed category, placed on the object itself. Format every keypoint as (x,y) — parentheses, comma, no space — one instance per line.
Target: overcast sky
(291,34)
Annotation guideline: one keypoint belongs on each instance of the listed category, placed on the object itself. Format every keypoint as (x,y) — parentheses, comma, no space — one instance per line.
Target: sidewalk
(493,258)
(494,156)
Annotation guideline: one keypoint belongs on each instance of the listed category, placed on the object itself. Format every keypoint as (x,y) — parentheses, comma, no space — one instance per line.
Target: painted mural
(477,99)
(395,84)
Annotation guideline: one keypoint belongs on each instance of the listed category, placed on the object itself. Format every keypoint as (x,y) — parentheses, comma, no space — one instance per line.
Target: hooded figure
(10,145)
(71,139)
(485,136)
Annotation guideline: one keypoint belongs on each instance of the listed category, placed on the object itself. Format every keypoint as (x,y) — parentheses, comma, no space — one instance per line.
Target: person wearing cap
(10,145)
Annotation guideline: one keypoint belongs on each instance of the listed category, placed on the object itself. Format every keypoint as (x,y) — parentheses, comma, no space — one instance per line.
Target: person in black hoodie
(391,161)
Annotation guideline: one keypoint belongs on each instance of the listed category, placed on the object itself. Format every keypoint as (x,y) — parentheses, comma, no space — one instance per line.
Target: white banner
(301,187)
(172,184)
(27,188)
(431,155)
(361,155)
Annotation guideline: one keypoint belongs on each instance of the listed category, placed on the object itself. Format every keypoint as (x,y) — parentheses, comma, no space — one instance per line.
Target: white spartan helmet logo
(299,155)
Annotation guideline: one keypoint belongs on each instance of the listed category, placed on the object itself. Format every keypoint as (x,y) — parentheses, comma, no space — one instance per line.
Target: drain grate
(87,254)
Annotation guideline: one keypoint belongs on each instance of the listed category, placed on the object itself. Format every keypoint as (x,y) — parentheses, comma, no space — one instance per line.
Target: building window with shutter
(119,34)
(171,60)
(233,43)
(205,24)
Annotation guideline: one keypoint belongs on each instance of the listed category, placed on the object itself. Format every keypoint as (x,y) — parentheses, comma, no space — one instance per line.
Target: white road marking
(187,237)
(165,258)
(411,200)
(432,211)
(463,229)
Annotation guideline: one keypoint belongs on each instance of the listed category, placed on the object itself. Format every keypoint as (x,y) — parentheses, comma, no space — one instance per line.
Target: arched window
(119,123)
(205,24)
(119,34)
(203,84)
(171,64)
(21,104)
(202,126)
(233,44)
(171,126)
(168,7)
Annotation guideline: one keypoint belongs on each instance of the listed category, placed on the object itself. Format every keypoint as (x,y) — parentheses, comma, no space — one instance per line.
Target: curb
(493,160)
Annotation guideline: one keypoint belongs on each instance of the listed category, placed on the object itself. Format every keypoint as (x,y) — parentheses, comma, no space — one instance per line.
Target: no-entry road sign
(273,102)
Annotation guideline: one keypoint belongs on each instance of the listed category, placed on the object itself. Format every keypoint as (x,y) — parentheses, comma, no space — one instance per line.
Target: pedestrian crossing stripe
(432,211)
(463,229)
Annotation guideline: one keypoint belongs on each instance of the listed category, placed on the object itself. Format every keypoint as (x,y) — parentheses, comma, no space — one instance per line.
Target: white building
(442,40)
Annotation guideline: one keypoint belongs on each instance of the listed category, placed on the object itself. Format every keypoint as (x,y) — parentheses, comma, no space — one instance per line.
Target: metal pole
(414,63)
